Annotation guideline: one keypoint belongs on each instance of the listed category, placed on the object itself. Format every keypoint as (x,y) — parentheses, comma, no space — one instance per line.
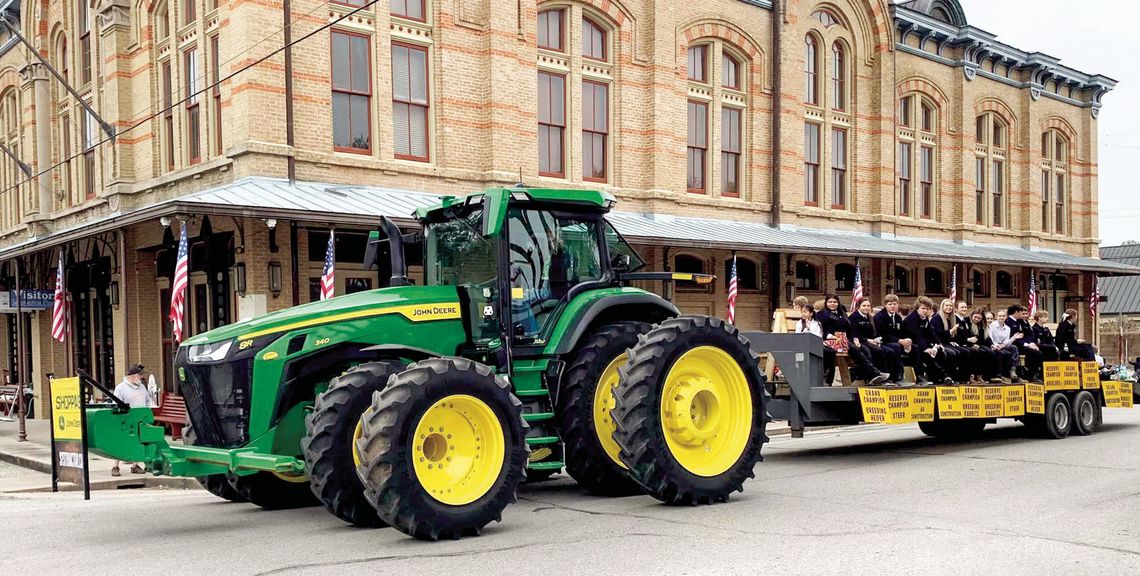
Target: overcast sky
(1097,37)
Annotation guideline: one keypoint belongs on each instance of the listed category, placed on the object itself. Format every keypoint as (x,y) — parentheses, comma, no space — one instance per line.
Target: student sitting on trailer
(1044,337)
(970,334)
(1068,345)
(979,333)
(1016,319)
(809,325)
(929,354)
(888,325)
(957,359)
(1004,341)
(887,358)
(835,322)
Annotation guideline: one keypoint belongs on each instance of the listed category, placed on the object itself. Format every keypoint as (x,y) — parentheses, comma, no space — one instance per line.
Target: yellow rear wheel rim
(458,449)
(706,411)
(604,404)
(356,434)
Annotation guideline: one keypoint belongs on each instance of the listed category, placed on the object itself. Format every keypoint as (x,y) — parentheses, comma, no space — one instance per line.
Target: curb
(38,466)
(168,482)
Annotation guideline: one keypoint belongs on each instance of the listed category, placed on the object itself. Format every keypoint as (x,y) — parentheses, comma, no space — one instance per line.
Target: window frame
(605,134)
(985,284)
(755,283)
(838,76)
(908,274)
(727,60)
(940,290)
(411,104)
(334,91)
(997,192)
(839,172)
(811,70)
(808,284)
(926,171)
(1012,284)
(604,31)
(905,177)
(980,165)
(191,63)
(86,62)
(423,9)
(561,48)
(189,12)
(690,147)
(726,151)
(563,127)
(812,167)
(703,50)
(216,91)
(166,93)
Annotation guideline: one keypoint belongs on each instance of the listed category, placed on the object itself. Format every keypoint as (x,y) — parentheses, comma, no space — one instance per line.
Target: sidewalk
(35,454)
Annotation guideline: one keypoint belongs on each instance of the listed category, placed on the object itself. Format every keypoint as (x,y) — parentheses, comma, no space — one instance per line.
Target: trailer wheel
(274,492)
(586,402)
(1058,419)
(443,449)
(331,430)
(691,411)
(216,484)
(953,429)
(1085,408)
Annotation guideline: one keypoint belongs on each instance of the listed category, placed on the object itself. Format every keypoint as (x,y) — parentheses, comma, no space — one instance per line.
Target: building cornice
(977,46)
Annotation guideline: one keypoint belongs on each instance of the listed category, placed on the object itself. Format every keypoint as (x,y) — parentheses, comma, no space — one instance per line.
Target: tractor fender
(642,306)
(412,353)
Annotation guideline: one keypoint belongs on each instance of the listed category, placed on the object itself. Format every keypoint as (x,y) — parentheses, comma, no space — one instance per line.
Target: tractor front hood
(416,303)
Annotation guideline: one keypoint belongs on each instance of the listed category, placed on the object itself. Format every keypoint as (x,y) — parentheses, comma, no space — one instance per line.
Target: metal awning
(323,204)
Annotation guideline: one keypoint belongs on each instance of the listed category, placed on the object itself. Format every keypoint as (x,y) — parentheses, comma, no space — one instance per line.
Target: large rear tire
(331,430)
(216,484)
(443,449)
(586,402)
(273,492)
(1085,409)
(691,411)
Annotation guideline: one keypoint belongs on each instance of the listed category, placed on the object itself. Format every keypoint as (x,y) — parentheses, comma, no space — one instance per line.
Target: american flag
(181,279)
(857,289)
(1032,294)
(954,283)
(1095,301)
(59,320)
(732,291)
(328,278)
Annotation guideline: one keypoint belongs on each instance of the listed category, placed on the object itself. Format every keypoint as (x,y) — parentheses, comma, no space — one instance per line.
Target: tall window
(193,113)
(729,72)
(352,93)
(1054,163)
(838,77)
(927,117)
(593,41)
(65,155)
(730,119)
(811,70)
(89,141)
(838,168)
(551,124)
(189,11)
(807,276)
(167,117)
(595,130)
(992,140)
(926,173)
(698,57)
(811,164)
(904,111)
(410,102)
(84,42)
(698,146)
(980,190)
(550,26)
(216,93)
(162,22)
(904,178)
(413,9)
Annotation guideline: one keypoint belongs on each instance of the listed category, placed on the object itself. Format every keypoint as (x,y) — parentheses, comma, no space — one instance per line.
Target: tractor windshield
(457,253)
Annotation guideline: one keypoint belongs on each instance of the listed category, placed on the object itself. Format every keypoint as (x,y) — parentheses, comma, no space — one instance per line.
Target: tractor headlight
(215,352)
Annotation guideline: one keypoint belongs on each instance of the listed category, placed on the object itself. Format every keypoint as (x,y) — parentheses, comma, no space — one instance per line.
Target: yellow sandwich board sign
(68,434)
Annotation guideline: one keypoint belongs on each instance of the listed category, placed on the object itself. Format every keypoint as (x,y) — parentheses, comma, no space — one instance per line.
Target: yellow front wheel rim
(356,434)
(458,449)
(706,411)
(604,403)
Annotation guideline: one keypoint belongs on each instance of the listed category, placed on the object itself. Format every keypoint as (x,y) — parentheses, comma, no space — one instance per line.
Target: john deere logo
(434,312)
(269,356)
(181,374)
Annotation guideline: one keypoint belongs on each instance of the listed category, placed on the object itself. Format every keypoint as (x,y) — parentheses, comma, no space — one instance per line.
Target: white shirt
(812,327)
(135,395)
(999,333)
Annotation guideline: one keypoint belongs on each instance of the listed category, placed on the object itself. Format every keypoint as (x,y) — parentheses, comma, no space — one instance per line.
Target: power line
(203,90)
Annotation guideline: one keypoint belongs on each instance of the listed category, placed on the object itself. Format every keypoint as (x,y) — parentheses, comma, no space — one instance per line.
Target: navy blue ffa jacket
(889,326)
(832,322)
(920,331)
(941,329)
(863,327)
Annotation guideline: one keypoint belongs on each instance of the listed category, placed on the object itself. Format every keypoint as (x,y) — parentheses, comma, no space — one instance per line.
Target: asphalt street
(865,500)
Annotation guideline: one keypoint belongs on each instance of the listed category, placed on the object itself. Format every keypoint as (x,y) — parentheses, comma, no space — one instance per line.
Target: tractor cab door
(549,254)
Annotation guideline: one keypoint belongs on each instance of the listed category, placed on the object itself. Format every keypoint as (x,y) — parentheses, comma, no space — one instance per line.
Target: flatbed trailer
(1071,398)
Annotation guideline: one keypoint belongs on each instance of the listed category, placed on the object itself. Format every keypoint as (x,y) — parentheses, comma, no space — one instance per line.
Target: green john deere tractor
(423,407)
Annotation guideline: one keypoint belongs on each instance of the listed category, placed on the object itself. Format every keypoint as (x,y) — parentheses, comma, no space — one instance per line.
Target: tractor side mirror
(620,262)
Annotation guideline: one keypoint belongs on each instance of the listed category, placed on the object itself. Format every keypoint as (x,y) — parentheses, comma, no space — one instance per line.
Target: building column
(37,145)
(114,25)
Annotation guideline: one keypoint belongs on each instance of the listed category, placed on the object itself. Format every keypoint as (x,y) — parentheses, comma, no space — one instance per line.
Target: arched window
(903,284)
(61,57)
(844,277)
(933,281)
(594,41)
(1004,283)
(981,286)
(807,276)
(838,77)
(747,273)
(551,24)
(730,72)
(161,22)
(84,27)
(688,264)
(992,138)
(811,71)
(1054,178)
(698,60)
(927,115)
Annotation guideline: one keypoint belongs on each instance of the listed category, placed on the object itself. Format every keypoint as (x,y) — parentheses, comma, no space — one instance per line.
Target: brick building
(805,137)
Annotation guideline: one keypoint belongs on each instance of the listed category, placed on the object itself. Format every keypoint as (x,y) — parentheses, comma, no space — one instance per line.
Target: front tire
(216,484)
(331,430)
(691,411)
(585,418)
(273,492)
(443,449)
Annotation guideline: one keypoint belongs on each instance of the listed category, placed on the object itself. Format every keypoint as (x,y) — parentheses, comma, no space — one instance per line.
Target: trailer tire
(691,411)
(585,418)
(216,484)
(330,432)
(272,492)
(1085,408)
(1058,419)
(404,436)
(953,429)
